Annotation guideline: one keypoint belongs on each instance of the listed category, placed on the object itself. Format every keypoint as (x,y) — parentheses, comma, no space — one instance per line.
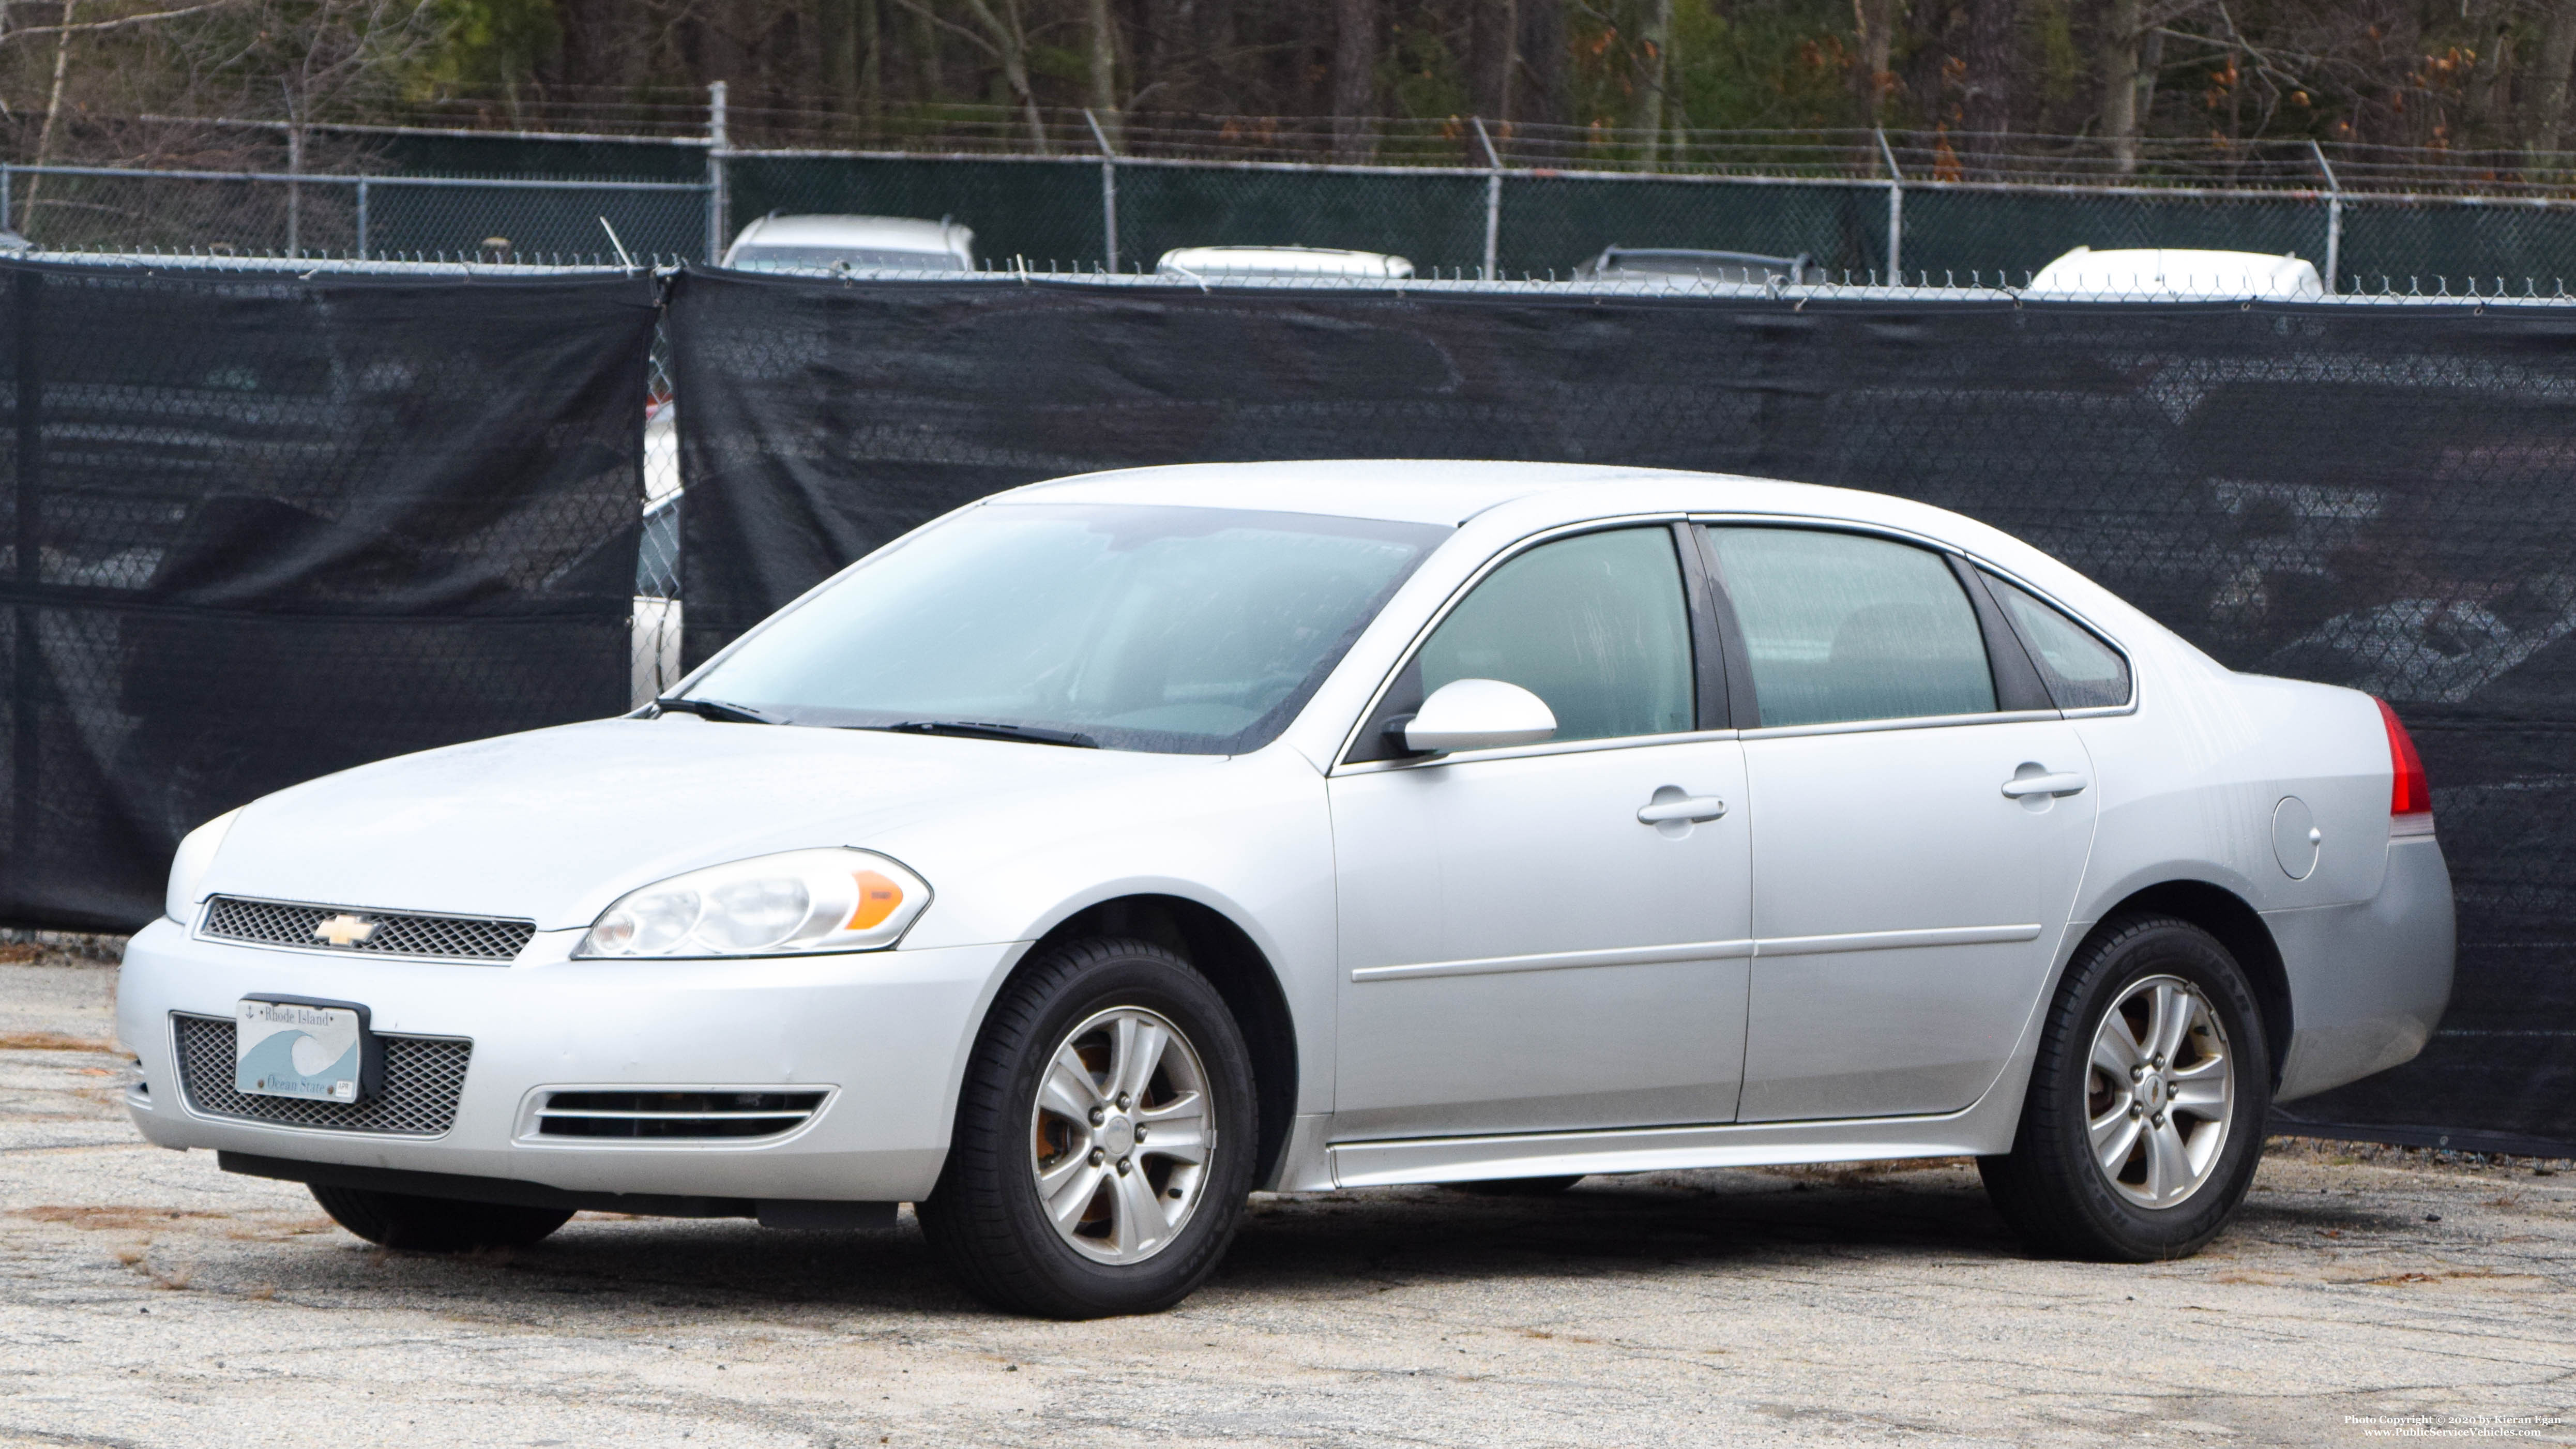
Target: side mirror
(1478,714)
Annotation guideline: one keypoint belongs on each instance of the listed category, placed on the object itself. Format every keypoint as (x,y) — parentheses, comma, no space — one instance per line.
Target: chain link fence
(105,209)
(1917,213)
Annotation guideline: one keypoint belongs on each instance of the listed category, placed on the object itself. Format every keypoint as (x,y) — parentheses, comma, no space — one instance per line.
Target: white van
(2166,274)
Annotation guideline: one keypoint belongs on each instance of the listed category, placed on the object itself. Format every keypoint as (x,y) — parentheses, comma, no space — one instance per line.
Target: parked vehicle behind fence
(1270,262)
(1616,264)
(2172,274)
(1084,860)
(852,245)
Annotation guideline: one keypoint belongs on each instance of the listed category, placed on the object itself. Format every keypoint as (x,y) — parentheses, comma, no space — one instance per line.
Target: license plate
(321,1051)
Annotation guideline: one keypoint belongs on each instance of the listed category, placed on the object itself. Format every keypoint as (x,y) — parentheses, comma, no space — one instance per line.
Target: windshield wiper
(715,709)
(978,729)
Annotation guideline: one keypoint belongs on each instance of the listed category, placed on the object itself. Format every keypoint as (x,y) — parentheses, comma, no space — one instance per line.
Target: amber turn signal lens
(878,897)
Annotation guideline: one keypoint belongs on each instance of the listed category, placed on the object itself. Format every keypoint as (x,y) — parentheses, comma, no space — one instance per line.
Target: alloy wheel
(1121,1135)
(2160,1092)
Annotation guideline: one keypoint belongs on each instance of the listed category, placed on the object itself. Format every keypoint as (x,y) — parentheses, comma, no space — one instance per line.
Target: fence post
(5,211)
(294,192)
(1493,199)
(1895,214)
(26,664)
(362,218)
(716,146)
(1108,188)
(2334,217)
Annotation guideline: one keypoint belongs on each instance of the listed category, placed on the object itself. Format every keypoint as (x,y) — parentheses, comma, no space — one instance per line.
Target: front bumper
(885,1032)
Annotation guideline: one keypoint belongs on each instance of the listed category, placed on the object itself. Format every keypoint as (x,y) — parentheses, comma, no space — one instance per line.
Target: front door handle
(2064,782)
(1693,808)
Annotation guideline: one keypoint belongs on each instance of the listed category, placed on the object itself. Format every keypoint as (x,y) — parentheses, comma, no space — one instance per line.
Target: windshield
(818,259)
(1180,630)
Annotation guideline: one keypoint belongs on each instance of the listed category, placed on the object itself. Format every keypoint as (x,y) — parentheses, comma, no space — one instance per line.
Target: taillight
(2407,792)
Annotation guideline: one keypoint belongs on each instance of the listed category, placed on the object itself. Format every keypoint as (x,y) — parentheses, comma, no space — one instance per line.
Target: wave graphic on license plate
(289,1049)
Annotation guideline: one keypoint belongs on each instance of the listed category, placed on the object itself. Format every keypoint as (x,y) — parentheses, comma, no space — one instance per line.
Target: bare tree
(1492,36)
(1654,50)
(1000,29)
(1539,91)
(2550,76)
(1355,50)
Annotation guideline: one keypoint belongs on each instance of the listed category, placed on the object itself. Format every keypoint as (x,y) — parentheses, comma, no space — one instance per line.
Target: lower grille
(670,1115)
(424,1076)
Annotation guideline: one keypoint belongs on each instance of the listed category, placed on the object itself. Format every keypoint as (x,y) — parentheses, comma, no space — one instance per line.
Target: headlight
(770,905)
(196,852)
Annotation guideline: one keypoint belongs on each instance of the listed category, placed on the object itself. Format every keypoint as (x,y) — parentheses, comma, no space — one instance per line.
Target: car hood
(553,825)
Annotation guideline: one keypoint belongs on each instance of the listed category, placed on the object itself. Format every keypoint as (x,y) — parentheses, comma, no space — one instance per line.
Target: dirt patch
(52,1041)
(114,1219)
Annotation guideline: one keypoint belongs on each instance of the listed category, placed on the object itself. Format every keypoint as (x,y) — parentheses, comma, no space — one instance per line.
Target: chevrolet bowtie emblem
(344,930)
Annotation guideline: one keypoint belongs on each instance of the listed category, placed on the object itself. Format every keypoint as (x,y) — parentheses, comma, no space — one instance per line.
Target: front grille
(675,1114)
(424,1075)
(387,933)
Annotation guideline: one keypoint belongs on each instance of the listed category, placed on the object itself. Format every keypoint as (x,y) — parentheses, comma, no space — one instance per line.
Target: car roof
(1284,261)
(1407,490)
(894,233)
(2177,271)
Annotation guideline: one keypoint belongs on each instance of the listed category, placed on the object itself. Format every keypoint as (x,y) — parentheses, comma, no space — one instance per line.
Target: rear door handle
(1688,807)
(2064,782)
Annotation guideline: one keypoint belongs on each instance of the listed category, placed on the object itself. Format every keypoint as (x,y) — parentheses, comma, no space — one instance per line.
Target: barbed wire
(681,116)
(1852,286)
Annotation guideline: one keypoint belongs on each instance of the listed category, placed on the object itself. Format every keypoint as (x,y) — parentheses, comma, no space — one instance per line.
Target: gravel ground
(148,1299)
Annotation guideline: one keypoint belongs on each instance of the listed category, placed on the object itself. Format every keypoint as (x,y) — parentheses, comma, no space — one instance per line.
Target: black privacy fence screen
(2382,496)
(265,527)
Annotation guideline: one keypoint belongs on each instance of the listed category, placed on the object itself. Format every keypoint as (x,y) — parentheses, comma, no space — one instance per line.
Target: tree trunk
(836,36)
(1355,24)
(1492,28)
(1875,22)
(1654,42)
(53,109)
(1101,30)
(1539,93)
(2121,37)
(925,47)
(2549,77)
(871,42)
(1989,55)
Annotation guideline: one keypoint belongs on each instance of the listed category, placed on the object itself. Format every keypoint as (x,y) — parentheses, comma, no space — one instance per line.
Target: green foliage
(1420,75)
(483,44)
(1770,66)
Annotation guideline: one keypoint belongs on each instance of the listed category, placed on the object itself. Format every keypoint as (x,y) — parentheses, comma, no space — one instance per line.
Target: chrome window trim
(1906,722)
(1344,765)
(1518,752)
(1975,560)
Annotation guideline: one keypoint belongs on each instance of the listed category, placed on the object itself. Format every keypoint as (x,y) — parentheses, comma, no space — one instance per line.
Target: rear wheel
(2144,1119)
(436,1224)
(1104,1138)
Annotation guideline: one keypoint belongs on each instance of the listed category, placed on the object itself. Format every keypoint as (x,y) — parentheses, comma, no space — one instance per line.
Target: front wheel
(1104,1138)
(2144,1119)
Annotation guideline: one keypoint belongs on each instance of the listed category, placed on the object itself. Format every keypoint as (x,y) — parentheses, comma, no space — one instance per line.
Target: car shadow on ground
(1293,1245)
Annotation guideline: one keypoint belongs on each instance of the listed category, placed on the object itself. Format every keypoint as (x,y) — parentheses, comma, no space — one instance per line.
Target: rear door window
(2080,670)
(1844,626)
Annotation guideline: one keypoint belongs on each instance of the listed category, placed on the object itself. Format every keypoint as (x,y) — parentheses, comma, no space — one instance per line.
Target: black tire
(436,1224)
(1518,1186)
(2050,1187)
(984,1219)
